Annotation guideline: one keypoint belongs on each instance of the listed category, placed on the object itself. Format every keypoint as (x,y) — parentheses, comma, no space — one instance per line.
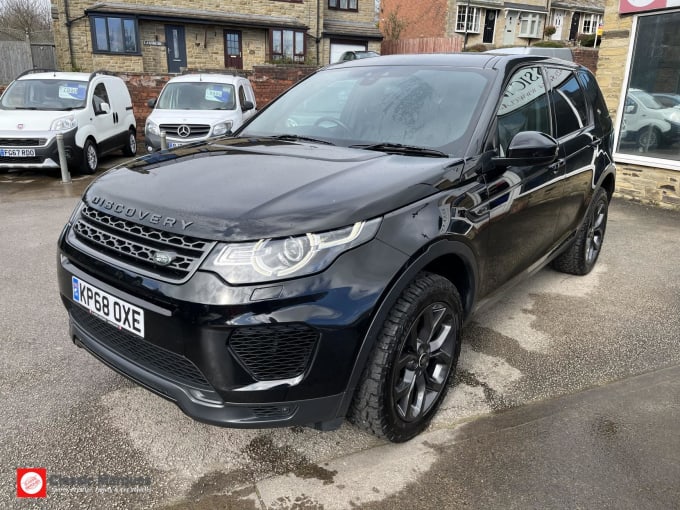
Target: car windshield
(197,96)
(44,94)
(648,100)
(428,107)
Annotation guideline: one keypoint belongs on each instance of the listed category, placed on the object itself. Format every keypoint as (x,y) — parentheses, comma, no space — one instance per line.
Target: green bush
(476,47)
(549,44)
(587,40)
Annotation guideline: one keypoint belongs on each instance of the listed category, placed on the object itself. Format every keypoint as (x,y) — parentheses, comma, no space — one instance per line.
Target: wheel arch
(453,260)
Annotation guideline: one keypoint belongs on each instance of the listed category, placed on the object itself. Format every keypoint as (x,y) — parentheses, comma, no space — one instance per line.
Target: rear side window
(524,107)
(569,101)
(594,97)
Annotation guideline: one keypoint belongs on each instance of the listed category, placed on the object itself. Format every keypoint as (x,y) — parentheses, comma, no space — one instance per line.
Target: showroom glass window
(650,112)
(114,34)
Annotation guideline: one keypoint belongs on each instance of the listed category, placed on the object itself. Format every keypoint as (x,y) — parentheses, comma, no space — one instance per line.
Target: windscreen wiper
(398,148)
(296,138)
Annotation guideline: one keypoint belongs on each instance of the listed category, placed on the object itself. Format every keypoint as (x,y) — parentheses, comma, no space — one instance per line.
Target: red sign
(31,483)
(629,6)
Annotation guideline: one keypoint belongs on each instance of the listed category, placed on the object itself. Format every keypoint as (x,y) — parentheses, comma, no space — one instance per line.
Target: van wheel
(416,353)
(130,148)
(90,158)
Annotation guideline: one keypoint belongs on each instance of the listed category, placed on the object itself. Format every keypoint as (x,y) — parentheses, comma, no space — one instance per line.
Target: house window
(649,124)
(343,5)
(529,25)
(114,34)
(590,23)
(467,19)
(287,46)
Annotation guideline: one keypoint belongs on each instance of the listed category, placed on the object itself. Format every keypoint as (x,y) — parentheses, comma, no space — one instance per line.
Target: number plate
(121,314)
(17,153)
(172,145)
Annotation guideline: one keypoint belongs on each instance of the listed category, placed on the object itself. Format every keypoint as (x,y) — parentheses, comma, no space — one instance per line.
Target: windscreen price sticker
(120,313)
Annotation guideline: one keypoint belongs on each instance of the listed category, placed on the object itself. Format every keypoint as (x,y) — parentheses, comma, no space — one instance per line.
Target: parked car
(667,100)
(649,123)
(196,107)
(301,272)
(92,111)
(348,56)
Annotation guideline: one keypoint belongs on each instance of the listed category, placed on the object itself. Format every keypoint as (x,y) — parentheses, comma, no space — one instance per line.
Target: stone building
(639,73)
(171,35)
(495,22)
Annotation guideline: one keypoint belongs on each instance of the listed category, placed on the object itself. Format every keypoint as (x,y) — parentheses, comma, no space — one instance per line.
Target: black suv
(321,262)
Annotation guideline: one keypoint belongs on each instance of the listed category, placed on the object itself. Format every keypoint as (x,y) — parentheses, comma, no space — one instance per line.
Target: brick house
(495,22)
(639,73)
(169,35)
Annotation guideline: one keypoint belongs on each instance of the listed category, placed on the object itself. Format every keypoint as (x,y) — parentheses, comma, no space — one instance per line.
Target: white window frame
(594,22)
(466,23)
(526,19)
(631,158)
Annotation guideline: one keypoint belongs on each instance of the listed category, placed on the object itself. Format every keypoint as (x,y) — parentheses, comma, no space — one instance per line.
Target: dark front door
(573,31)
(489,25)
(177,48)
(233,56)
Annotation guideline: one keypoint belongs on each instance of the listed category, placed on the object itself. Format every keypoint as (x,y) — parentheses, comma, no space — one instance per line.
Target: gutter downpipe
(68,31)
(318,33)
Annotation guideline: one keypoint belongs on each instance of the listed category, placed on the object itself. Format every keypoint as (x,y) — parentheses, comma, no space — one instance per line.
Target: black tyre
(90,158)
(649,138)
(580,258)
(407,376)
(130,148)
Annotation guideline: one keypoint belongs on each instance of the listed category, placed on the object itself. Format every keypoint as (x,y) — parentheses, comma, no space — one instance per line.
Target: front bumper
(46,153)
(224,354)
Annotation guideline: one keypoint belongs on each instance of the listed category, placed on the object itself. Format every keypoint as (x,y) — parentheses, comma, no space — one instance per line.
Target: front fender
(433,252)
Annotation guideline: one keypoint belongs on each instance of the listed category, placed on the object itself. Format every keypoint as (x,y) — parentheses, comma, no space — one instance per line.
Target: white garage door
(338,49)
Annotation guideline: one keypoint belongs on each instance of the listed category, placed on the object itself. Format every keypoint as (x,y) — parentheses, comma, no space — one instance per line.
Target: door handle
(557,166)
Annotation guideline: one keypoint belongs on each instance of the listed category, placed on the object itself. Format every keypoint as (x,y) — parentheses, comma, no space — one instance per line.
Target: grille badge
(184,131)
(163,258)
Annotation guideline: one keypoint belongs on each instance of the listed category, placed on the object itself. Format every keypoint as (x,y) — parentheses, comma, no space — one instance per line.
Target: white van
(93,111)
(195,107)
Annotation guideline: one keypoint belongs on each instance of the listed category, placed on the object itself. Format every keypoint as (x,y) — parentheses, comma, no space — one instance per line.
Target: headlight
(152,127)
(269,260)
(674,115)
(222,128)
(64,123)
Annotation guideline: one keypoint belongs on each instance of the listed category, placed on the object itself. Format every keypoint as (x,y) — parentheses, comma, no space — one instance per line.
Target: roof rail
(37,70)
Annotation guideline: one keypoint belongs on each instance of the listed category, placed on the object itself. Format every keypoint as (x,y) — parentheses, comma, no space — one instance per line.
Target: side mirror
(630,108)
(529,148)
(103,109)
(247,106)
(151,103)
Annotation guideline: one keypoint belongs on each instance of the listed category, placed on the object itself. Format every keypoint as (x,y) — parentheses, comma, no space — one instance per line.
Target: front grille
(12,159)
(136,244)
(195,130)
(162,362)
(22,142)
(273,352)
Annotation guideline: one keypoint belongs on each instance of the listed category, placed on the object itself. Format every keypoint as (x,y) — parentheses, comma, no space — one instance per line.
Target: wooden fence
(18,56)
(423,45)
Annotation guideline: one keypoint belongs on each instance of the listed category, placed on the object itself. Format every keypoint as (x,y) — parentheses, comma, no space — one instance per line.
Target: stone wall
(587,57)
